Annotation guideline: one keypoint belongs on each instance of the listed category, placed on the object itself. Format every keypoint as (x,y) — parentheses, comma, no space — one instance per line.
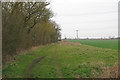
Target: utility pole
(77,33)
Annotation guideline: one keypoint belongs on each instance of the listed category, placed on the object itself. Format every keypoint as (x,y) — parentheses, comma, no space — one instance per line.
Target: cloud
(90,16)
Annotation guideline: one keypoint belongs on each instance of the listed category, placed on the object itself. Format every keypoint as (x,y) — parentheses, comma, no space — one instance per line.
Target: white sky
(93,18)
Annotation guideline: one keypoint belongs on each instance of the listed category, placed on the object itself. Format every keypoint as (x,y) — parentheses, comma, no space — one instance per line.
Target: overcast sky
(93,18)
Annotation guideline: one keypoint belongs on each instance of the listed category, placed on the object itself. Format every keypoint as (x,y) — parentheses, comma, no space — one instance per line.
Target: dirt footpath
(31,66)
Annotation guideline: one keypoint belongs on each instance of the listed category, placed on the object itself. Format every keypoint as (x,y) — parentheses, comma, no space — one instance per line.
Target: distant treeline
(26,24)
(91,38)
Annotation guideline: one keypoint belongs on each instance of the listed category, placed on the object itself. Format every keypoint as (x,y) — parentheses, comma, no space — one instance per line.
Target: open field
(110,44)
(64,60)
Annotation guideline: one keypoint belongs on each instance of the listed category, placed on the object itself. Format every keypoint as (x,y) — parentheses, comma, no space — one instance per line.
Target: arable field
(110,44)
(64,60)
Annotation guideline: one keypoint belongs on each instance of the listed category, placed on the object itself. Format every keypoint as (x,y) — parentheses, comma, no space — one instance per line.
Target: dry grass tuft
(110,72)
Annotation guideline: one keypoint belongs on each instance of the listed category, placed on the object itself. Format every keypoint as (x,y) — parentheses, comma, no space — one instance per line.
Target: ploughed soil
(69,43)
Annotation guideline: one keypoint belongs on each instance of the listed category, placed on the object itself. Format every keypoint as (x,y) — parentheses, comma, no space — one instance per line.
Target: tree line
(27,24)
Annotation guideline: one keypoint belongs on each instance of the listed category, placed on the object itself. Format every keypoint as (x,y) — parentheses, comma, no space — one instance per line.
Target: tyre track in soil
(56,64)
(28,72)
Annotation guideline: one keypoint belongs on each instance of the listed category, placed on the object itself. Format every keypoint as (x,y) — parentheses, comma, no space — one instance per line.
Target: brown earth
(69,43)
